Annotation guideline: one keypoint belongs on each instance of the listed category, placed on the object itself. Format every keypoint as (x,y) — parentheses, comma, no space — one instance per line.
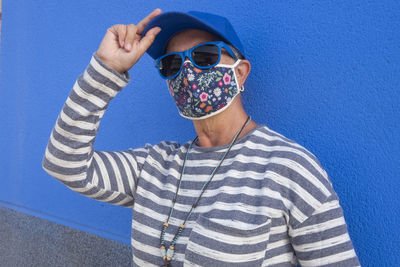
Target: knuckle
(131,31)
(113,27)
(133,27)
(122,29)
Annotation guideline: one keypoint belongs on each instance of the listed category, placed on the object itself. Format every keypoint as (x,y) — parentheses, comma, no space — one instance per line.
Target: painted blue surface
(324,73)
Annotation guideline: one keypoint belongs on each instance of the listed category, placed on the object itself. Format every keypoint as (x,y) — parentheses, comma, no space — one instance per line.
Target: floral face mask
(202,93)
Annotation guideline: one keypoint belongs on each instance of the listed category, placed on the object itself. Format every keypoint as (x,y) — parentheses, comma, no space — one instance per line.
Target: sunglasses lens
(205,55)
(170,65)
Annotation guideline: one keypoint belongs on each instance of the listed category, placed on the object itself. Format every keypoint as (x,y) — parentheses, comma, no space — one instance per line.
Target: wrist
(109,64)
(120,79)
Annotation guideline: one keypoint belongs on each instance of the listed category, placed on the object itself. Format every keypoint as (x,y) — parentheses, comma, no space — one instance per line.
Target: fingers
(131,30)
(148,39)
(128,36)
(142,24)
(119,32)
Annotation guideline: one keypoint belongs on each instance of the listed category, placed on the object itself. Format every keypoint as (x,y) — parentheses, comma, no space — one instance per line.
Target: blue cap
(173,22)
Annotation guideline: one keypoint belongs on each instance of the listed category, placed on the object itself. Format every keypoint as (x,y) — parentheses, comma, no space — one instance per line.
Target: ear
(242,71)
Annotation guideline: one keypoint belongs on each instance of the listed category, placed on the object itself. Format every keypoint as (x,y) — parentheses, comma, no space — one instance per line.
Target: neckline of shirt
(217,148)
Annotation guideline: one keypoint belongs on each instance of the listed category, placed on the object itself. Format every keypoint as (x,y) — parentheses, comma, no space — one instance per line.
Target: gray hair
(236,52)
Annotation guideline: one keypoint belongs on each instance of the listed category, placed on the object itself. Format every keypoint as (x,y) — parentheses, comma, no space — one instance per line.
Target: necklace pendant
(167,263)
(170,253)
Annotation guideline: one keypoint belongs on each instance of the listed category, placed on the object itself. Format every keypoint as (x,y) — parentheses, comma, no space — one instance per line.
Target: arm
(316,225)
(323,239)
(69,156)
(107,176)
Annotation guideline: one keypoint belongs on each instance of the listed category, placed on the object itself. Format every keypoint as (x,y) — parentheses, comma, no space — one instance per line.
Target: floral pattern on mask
(198,93)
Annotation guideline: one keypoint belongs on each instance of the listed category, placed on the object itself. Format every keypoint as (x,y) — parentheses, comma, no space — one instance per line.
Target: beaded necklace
(168,254)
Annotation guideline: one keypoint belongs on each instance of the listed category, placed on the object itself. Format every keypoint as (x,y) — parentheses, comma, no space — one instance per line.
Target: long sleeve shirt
(270,203)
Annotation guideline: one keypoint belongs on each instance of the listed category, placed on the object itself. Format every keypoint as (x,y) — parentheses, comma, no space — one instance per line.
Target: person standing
(238,194)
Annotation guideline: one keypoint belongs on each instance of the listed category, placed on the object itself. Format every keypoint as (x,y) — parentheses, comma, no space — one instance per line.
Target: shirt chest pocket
(215,244)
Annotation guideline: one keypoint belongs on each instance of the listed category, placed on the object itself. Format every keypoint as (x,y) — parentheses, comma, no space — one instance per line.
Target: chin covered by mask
(202,93)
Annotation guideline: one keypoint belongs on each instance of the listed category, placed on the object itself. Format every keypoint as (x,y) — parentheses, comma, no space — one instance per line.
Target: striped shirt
(270,203)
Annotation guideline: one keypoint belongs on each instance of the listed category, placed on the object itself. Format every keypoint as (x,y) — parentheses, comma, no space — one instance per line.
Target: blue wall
(324,73)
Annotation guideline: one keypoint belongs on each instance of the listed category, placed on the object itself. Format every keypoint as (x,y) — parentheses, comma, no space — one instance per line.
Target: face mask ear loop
(236,63)
(233,67)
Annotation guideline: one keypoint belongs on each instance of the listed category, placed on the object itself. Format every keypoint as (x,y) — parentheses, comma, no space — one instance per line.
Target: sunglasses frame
(187,53)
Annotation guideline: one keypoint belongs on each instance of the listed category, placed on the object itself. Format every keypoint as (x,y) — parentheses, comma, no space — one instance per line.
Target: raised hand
(123,45)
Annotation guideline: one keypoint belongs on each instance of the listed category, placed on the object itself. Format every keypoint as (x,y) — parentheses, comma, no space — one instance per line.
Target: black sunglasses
(203,56)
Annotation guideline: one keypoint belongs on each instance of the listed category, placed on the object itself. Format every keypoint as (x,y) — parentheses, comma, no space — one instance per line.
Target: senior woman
(238,194)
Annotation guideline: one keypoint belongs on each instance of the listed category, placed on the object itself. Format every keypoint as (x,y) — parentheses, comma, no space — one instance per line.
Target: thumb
(148,39)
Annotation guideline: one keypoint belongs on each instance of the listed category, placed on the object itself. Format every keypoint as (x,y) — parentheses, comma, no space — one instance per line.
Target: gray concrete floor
(26,240)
